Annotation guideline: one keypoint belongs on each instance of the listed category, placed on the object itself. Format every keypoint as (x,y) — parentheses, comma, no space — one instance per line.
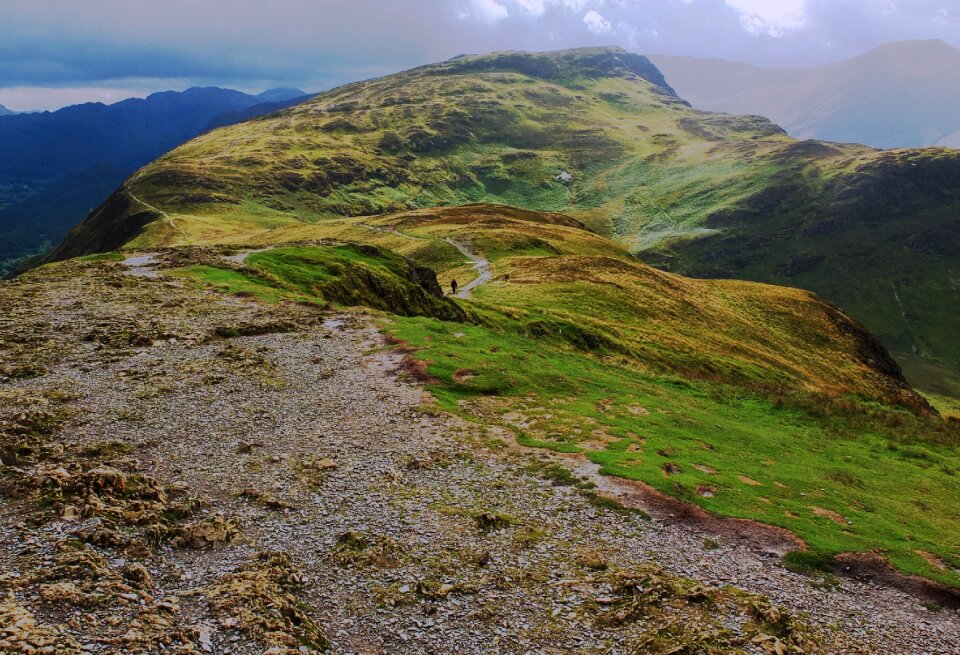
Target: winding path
(480,265)
(159,211)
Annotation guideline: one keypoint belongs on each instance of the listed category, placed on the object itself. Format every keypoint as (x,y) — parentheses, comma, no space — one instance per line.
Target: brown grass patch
(461,375)
(829,513)
(417,369)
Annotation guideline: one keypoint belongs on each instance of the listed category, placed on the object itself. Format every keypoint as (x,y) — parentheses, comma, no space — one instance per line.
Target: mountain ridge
(537,182)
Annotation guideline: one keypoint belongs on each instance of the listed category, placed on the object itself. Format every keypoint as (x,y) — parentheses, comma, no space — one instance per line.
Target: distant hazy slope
(904,94)
(56,166)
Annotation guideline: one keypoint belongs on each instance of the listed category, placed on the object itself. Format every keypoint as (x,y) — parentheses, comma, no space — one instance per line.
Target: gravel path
(480,264)
(414,532)
(142,265)
(165,215)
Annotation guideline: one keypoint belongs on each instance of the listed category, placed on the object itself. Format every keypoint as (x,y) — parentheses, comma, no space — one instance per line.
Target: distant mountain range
(6,112)
(903,94)
(58,165)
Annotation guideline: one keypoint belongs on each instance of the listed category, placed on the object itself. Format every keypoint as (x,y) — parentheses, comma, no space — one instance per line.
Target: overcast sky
(57,52)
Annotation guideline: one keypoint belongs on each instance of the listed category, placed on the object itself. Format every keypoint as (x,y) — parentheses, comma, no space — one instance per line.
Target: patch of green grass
(239,284)
(809,561)
(946,405)
(103,257)
(762,460)
(353,274)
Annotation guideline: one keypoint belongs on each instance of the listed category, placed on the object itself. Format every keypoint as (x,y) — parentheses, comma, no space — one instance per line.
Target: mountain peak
(560,65)
(6,112)
(927,55)
(281,94)
(916,45)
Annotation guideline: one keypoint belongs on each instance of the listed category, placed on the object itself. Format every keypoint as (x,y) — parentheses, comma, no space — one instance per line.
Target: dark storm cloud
(320,43)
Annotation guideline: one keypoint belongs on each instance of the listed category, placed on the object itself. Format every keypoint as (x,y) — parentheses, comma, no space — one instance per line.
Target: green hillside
(749,400)
(598,134)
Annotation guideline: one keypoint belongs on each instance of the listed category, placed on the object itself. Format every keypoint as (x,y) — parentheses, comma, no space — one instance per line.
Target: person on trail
(453,287)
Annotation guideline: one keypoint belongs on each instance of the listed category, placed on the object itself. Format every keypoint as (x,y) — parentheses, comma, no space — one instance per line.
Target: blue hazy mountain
(56,166)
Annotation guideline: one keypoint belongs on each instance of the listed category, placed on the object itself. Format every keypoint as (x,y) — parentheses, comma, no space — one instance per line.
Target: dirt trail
(413,531)
(142,265)
(165,215)
(241,257)
(480,265)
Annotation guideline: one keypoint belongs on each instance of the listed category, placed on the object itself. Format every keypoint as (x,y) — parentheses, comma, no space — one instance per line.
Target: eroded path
(165,215)
(480,264)
(412,532)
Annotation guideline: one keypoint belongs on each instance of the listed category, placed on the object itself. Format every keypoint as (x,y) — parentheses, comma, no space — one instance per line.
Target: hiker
(453,287)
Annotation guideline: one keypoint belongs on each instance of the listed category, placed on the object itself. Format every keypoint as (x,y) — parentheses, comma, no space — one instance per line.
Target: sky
(59,52)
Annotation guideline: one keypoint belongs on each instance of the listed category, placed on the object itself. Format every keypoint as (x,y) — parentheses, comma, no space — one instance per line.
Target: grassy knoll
(347,274)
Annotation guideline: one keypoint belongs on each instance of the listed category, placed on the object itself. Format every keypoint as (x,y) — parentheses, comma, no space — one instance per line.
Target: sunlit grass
(732,396)
(845,482)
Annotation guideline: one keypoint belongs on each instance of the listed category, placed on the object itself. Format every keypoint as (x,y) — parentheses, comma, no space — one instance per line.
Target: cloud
(774,18)
(535,7)
(596,23)
(316,44)
(489,10)
(540,7)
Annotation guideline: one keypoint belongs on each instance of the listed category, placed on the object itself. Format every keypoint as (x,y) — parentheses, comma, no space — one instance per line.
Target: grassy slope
(703,194)
(882,241)
(787,378)
(755,398)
